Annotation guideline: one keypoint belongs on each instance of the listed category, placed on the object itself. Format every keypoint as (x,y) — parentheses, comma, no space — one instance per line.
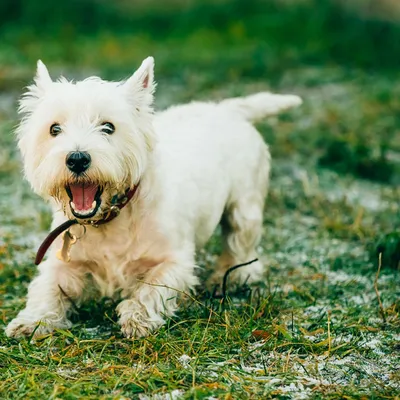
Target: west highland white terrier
(134,194)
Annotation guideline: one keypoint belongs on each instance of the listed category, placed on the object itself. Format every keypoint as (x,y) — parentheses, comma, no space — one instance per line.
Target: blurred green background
(232,38)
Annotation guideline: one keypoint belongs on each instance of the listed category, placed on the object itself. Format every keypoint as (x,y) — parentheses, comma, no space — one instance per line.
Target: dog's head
(84,143)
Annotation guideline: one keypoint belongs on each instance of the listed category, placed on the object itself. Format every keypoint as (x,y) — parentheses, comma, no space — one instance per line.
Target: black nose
(78,161)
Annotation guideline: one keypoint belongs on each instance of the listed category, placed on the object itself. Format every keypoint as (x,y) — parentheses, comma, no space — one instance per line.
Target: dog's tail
(258,106)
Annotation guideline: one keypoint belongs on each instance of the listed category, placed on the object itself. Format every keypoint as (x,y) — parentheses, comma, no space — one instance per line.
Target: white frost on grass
(91,331)
(315,310)
(353,369)
(359,195)
(335,277)
(67,372)
(297,391)
(174,395)
(257,368)
(319,337)
(302,375)
(375,345)
(363,298)
(184,360)
(209,373)
(256,345)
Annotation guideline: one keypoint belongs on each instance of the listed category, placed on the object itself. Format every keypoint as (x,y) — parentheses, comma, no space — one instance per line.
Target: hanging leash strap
(111,214)
(50,239)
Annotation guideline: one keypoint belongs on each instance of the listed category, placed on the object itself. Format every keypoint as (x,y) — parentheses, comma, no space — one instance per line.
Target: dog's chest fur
(116,255)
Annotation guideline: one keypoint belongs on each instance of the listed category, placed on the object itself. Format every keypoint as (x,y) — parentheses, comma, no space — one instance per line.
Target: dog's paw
(22,327)
(136,321)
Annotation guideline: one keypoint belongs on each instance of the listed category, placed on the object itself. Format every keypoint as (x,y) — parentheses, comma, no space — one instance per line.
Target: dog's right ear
(42,78)
(42,82)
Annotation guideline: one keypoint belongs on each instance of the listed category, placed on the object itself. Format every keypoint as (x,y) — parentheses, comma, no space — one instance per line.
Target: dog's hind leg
(242,229)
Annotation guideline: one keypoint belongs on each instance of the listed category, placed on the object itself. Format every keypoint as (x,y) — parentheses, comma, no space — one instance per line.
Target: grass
(314,327)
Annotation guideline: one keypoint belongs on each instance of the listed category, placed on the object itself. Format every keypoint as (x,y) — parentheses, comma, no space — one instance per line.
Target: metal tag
(68,240)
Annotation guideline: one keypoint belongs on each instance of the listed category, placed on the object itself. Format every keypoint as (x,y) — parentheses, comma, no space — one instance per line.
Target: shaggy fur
(196,163)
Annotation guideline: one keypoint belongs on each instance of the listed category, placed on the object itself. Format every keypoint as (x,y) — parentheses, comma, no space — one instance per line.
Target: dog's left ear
(143,78)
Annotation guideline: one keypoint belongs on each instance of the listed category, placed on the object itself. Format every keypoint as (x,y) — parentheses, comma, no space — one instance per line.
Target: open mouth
(85,199)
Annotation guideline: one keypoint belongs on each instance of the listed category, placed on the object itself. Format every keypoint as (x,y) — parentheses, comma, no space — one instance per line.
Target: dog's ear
(143,78)
(42,82)
(42,78)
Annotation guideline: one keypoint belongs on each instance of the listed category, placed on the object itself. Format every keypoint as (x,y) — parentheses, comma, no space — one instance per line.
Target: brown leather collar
(118,205)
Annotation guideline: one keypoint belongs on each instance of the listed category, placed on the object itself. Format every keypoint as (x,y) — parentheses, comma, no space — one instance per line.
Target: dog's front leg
(47,306)
(154,298)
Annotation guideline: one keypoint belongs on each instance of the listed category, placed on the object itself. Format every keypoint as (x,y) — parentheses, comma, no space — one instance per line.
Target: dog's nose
(78,161)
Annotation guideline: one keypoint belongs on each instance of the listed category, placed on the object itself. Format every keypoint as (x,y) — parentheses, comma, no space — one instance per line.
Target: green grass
(314,328)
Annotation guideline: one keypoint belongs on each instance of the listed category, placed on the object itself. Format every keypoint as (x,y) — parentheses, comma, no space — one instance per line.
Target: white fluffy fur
(196,163)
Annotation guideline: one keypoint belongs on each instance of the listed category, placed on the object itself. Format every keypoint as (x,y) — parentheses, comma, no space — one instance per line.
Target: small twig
(74,306)
(186,294)
(292,323)
(376,288)
(329,333)
(231,269)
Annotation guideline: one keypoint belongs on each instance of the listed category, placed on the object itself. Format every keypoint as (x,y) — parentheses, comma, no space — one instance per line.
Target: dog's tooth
(73,205)
(93,204)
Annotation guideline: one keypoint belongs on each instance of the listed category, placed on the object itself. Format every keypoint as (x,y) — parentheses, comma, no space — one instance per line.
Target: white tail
(258,106)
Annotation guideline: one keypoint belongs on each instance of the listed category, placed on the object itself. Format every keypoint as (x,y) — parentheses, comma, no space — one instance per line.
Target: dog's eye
(107,127)
(55,129)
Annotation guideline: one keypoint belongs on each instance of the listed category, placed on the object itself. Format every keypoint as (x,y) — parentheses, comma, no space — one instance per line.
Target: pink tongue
(83,196)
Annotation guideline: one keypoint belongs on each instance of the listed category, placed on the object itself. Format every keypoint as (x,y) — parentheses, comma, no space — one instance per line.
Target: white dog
(93,148)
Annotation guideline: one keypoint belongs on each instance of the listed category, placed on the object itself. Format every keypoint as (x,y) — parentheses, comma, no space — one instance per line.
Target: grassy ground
(314,328)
